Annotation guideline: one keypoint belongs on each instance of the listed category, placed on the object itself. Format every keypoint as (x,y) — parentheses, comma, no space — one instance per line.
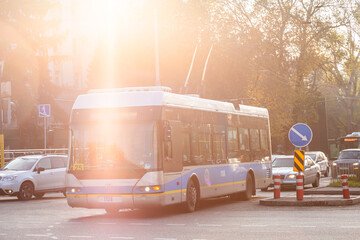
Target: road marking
(75,236)
(349,226)
(209,225)
(122,237)
(37,235)
(303,226)
(3,234)
(253,225)
(140,224)
(175,224)
(165,238)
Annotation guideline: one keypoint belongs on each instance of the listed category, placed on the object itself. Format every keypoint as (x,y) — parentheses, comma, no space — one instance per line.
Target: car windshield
(313,156)
(21,164)
(350,155)
(283,162)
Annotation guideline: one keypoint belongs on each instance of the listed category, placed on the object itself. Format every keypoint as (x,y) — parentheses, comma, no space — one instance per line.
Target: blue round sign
(300,135)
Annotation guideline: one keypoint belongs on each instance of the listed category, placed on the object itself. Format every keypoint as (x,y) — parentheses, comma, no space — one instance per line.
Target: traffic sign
(299,156)
(300,135)
(44,110)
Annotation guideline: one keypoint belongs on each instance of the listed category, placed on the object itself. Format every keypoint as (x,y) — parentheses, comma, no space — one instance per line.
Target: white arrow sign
(303,138)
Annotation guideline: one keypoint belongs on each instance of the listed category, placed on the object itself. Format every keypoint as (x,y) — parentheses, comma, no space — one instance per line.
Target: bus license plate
(107,199)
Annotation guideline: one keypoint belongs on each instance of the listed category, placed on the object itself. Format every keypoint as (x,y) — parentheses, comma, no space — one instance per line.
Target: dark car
(347,163)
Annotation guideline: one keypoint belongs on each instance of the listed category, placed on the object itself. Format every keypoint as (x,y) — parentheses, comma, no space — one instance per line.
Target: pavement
(322,196)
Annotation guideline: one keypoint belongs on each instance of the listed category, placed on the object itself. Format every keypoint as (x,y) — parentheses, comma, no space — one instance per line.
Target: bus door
(172,161)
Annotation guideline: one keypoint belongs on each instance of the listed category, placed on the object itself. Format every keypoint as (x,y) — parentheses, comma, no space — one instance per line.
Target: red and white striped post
(299,187)
(277,186)
(345,186)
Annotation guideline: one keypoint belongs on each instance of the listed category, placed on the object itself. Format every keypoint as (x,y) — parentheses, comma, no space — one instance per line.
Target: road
(51,218)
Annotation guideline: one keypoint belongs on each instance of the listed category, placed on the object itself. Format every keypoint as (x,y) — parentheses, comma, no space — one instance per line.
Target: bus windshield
(112,146)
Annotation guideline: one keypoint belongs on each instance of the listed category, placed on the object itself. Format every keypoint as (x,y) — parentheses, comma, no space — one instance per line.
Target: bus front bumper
(119,201)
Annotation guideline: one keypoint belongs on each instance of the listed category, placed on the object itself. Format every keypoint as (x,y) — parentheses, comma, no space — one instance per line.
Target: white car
(321,159)
(284,165)
(36,175)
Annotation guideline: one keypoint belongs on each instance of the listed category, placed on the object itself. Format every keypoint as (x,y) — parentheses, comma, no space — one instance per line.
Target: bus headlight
(149,189)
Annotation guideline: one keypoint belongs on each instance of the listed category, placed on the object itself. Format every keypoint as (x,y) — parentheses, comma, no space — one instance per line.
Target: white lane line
(175,224)
(78,236)
(140,224)
(37,235)
(122,237)
(254,225)
(303,226)
(209,225)
(165,238)
(349,226)
(3,234)
(105,223)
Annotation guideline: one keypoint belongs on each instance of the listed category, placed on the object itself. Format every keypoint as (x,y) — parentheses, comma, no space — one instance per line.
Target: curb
(330,192)
(291,201)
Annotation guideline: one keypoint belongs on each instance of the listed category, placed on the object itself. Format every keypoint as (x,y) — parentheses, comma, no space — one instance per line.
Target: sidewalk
(325,196)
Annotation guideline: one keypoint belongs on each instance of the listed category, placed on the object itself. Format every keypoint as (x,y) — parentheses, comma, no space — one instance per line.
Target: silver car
(284,165)
(321,159)
(33,175)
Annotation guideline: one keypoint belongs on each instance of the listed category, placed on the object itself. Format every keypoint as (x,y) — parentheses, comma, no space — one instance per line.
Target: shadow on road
(161,212)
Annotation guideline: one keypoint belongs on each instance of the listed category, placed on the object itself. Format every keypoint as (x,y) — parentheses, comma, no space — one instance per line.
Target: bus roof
(158,96)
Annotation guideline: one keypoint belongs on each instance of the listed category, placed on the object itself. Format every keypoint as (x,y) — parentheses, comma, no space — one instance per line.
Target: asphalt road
(51,218)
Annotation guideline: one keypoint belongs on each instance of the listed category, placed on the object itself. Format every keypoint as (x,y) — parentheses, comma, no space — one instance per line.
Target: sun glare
(107,21)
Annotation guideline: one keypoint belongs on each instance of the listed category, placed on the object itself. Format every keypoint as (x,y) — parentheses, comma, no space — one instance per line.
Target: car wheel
(317,181)
(247,194)
(264,189)
(192,197)
(26,191)
(39,195)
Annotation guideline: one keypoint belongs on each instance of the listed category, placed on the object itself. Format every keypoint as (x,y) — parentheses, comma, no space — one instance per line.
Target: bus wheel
(191,197)
(247,194)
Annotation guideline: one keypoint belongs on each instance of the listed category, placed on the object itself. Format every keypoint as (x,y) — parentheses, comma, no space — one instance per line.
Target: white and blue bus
(147,147)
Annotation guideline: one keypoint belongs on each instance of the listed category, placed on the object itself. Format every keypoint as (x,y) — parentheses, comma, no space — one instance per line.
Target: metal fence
(11,154)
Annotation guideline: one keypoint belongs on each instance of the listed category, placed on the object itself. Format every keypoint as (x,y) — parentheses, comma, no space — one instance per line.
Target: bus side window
(219,148)
(254,144)
(232,143)
(186,149)
(244,145)
(264,144)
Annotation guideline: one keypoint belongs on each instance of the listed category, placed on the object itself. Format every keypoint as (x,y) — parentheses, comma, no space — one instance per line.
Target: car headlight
(334,164)
(291,176)
(356,164)
(9,178)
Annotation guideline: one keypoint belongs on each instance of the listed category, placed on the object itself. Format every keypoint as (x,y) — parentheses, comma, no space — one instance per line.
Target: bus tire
(192,197)
(247,194)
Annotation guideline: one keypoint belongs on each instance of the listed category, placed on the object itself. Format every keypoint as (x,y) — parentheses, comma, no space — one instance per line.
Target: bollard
(345,186)
(277,185)
(299,187)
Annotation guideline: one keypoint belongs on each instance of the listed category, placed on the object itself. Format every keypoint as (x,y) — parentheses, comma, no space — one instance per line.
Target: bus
(148,147)
(349,141)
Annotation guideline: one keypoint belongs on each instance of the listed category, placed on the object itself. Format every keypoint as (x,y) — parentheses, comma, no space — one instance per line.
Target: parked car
(36,175)
(284,165)
(348,162)
(321,159)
